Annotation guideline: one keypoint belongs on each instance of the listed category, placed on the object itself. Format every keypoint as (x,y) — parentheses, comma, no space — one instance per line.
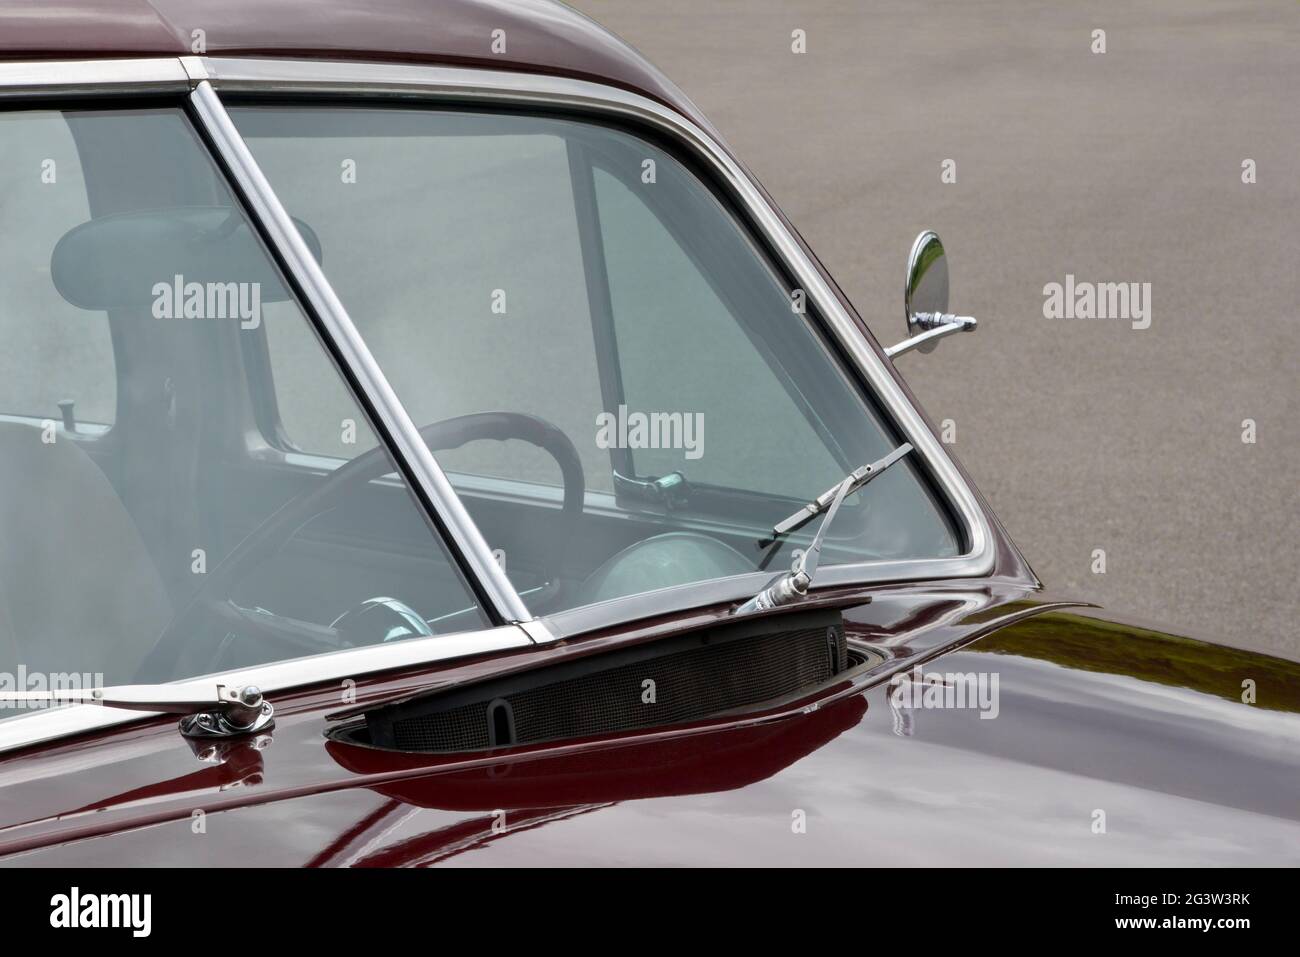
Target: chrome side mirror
(925,298)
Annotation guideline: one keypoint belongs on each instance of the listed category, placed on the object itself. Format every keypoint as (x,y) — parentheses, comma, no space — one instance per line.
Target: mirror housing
(925,298)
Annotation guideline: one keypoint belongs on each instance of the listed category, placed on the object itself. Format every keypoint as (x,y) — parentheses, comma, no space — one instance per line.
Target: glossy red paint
(1144,723)
(145,773)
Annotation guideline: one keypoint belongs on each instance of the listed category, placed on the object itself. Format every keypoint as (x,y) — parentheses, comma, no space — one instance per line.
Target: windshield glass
(135,303)
(584,276)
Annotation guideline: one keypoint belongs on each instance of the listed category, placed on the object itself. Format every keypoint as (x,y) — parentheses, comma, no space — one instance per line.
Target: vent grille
(460,729)
(711,674)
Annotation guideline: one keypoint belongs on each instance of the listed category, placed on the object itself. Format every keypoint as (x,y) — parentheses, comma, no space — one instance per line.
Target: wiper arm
(858,478)
(794,584)
(211,710)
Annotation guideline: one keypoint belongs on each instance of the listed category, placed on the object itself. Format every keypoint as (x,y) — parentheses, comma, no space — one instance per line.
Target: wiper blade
(795,583)
(857,478)
(211,709)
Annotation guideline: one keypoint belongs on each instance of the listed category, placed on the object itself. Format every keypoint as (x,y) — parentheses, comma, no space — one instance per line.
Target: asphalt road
(1122,166)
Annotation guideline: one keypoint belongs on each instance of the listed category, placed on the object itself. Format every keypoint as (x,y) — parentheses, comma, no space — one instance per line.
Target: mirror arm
(947,326)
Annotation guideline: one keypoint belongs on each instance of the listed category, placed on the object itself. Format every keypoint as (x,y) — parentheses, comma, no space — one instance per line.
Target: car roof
(541,36)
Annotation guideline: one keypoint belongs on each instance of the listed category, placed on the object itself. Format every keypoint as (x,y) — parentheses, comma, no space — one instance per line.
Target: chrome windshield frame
(468,87)
(205,79)
(68,79)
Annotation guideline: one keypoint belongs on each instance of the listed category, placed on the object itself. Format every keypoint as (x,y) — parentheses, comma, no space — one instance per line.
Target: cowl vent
(684,678)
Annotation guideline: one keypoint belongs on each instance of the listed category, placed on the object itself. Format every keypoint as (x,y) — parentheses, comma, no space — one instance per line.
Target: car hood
(1083,741)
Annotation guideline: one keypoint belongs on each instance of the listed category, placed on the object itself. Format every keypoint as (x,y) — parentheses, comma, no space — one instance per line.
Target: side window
(53,352)
(166,551)
(456,250)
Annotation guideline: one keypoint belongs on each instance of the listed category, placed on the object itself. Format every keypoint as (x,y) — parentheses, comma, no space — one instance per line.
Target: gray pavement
(1117,167)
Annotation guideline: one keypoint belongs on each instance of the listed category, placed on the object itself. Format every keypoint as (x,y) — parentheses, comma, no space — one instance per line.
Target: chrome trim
(538,631)
(195,68)
(210,710)
(65,78)
(23,730)
(947,325)
(266,207)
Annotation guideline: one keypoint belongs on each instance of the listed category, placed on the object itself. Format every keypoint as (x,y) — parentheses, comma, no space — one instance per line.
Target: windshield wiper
(857,478)
(794,584)
(211,710)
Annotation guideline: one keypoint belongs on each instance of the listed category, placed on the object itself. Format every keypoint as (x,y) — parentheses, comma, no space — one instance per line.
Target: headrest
(115,262)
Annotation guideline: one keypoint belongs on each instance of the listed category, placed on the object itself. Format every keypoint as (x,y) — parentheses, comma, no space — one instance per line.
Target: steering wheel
(212,596)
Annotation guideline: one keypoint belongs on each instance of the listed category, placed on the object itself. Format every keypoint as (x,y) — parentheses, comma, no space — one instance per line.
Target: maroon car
(422,440)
